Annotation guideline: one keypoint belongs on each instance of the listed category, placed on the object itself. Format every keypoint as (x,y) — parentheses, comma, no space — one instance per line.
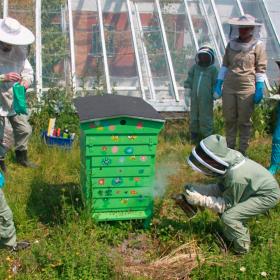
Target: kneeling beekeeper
(14,68)
(245,190)
(7,227)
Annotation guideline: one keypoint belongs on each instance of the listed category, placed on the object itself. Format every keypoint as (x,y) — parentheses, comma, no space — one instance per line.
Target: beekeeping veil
(212,157)
(244,21)
(207,51)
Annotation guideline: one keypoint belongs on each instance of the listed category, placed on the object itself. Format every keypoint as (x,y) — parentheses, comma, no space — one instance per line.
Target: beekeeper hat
(208,51)
(12,32)
(210,156)
(244,21)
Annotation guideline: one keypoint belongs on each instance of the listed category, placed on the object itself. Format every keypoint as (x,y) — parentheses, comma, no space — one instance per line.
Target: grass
(68,244)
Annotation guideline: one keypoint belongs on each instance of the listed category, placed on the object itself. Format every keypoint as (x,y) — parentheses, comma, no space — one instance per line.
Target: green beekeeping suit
(201,82)
(246,188)
(7,228)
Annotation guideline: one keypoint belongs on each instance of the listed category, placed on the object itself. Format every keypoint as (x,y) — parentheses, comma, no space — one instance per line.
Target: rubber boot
(21,158)
(275,159)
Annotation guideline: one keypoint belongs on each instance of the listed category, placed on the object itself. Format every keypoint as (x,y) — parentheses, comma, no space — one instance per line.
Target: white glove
(217,204)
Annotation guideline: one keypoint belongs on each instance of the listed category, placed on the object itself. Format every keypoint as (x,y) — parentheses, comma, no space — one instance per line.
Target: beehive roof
(108,106)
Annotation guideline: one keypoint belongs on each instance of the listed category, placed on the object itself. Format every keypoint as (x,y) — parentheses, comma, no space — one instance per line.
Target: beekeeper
(14,67)
(275,151)
(7,228)
(201,81)
(245,188)
(242,76)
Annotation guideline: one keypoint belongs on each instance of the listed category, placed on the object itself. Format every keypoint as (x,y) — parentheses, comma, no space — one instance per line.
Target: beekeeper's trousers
(22,132)
(7,228)
(237,111)
(234,219)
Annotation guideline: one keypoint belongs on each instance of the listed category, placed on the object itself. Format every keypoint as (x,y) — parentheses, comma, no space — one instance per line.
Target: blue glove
(2,180)
(218,89)
(259,92)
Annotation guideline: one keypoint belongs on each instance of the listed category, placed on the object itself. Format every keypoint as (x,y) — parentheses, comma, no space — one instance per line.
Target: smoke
(164,169)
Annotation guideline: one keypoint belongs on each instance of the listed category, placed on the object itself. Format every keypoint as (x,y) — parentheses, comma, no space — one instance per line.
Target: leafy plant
(55,103)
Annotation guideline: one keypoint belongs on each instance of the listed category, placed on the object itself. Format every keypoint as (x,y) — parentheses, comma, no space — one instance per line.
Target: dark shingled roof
(108,105)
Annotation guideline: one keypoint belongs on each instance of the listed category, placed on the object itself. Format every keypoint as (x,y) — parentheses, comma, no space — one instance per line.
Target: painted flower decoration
(115,149)
(106,161)
(101,181)
(143,158)
(141,171)
(100,128)
(128,151)
(121,159)
(115,138)
(133,192)
(132,137)
(112,127)
(133,158)
(124,201)
(139,125)
(117,181)
(136,179)
(104,148)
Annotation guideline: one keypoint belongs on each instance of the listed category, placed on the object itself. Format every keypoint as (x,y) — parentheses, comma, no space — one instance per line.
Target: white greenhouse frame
(168,96)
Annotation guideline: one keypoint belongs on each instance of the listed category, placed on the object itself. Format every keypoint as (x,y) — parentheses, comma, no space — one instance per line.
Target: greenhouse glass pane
(227,9)
(153,43)
(201,29)
(55,45)
(88,49)
(180,41)
(273,7)
(215,29)
(256,9)
(119,46)
(26,16)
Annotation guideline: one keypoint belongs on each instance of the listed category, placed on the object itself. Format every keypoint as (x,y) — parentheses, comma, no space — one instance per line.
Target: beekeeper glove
(259,92)
(219,82)
(217,204)
(2,180)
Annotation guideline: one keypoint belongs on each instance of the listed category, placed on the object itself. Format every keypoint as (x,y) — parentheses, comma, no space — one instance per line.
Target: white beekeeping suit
(13,61)
(14,68)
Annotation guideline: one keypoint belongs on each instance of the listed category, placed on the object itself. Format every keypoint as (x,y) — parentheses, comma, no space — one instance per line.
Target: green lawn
(67,244)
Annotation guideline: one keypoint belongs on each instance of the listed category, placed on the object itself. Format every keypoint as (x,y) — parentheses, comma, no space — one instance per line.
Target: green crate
(119,136)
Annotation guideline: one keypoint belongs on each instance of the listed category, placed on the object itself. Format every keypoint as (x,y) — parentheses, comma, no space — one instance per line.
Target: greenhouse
(132,47)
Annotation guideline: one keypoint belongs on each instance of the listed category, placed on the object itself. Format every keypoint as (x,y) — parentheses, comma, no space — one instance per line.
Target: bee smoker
(182,202)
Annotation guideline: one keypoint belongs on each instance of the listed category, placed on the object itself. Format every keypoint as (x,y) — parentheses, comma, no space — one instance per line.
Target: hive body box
(119,135)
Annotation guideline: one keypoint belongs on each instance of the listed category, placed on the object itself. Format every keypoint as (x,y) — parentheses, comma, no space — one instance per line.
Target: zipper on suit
(199,81)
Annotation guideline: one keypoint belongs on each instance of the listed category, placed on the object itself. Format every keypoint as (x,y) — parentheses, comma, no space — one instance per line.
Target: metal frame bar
(136,49)
(5,8)
(145,55)
(240,7)
(270,21)
(72,47)
(103,43)
(167,52)
(211,31)
(191,24)
(38,50)
(213,4)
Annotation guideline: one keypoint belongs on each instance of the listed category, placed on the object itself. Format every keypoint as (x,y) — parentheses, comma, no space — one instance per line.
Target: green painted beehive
(119,136)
